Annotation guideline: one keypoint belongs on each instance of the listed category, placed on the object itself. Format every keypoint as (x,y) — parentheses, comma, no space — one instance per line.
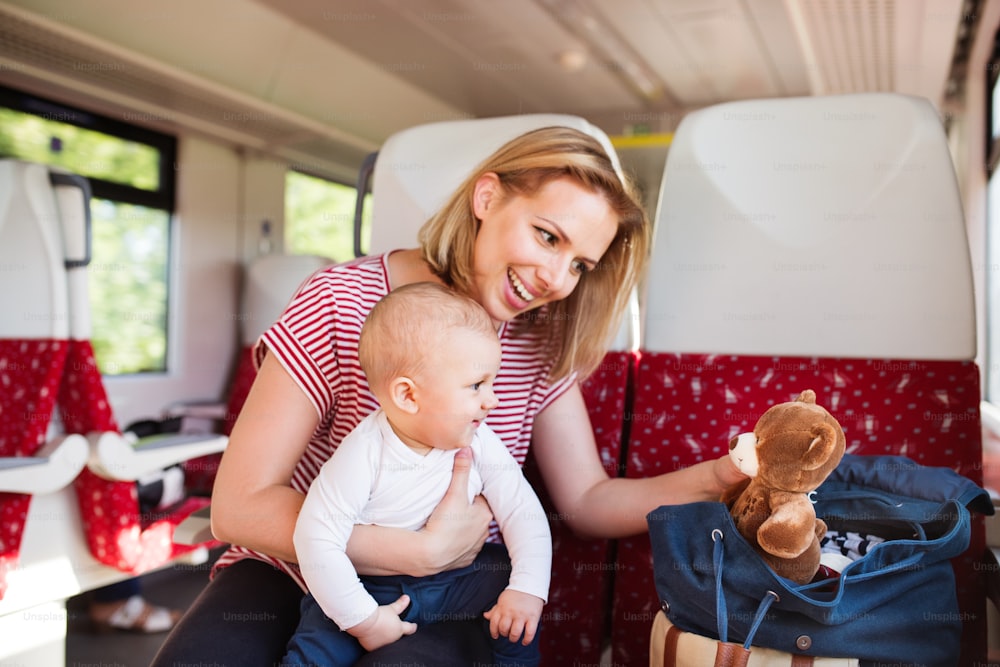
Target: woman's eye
(546,235)
(580,267)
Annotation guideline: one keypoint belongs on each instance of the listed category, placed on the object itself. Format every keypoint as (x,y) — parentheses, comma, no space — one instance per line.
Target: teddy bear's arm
(791,528)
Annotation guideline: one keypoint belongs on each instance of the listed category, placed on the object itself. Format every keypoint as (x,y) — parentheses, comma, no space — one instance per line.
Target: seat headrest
(820,226)
(33,278)
(418,168)
(270,283)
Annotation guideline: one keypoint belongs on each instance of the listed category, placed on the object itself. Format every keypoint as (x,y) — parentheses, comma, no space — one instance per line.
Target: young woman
(548,239)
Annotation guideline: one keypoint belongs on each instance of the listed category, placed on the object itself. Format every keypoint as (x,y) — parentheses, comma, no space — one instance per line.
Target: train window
(81,151)
(319,217)
(131,174)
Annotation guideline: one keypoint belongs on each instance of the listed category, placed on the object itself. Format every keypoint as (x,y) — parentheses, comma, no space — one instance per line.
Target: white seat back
(823,226)
(33,287)
(269,284)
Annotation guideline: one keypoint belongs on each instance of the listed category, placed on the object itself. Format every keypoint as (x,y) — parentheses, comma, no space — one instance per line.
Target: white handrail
(54,466)
(118,457)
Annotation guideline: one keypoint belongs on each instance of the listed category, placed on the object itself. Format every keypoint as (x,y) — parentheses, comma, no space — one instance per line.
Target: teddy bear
(792,449)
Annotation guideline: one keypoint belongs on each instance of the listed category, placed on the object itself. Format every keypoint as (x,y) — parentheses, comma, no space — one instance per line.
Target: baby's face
(456,388)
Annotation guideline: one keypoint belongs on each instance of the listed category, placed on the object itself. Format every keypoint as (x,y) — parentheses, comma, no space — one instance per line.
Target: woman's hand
(458,529)
(726,473)
(452,537)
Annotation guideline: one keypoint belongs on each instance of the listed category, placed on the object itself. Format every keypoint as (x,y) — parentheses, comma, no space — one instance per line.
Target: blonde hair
(406,323)
(524,165)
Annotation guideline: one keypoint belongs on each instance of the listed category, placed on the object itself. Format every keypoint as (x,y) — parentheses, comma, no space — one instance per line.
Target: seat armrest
(196,528)
(118,457)
(54,466)
(197,409)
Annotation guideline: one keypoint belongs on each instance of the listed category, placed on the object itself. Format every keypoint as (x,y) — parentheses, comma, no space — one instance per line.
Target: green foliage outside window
(128,287)
(319,217)
(79,150)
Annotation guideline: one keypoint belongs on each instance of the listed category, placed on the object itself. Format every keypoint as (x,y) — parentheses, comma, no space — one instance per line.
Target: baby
(430,356)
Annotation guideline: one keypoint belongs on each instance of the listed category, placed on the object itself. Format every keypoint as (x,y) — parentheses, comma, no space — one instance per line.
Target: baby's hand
(513,614)
(384,626)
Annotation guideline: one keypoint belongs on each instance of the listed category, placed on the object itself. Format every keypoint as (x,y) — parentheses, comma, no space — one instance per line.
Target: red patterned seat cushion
(576,616)
(116,534)
(687,407)
(29,381)
(199,473)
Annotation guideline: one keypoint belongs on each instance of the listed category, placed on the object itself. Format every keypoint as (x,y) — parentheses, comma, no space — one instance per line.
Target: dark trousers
(462,594)
(248,612)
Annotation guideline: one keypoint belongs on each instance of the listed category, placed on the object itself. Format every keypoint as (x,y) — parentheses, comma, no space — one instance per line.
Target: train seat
(415,170)
(269,281)
(65,538)
(33,350)
(806,243)
(33,335)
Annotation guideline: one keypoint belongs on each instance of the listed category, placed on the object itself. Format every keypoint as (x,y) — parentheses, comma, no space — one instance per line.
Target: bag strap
(670,641)
(731,655)
(721,615)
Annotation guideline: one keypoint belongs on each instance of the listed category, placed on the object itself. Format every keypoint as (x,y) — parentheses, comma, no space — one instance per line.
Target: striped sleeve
(315,339)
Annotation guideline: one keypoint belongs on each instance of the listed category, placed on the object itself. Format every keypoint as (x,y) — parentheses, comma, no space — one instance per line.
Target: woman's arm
(596,505)
(452,537)
(253,504)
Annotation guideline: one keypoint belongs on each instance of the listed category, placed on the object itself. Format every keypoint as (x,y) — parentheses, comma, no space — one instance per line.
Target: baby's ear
(403,394)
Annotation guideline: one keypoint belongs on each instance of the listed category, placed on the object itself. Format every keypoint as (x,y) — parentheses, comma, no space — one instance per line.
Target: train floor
(174,587)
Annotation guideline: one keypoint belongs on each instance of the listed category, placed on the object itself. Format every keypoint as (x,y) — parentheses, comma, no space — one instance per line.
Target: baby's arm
(334,503)
(515,615)
(525,529)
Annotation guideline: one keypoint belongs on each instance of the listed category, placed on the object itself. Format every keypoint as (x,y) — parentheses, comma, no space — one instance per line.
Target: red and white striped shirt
(316,340)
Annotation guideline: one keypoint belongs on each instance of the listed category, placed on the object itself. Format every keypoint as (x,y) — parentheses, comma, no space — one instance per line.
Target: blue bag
(896,605)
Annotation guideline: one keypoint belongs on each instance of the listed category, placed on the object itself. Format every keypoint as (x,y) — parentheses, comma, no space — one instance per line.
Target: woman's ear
(403,394)
(485,193)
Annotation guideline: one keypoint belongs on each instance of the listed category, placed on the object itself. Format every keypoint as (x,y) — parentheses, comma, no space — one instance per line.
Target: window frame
(162,198)
(357,219)
(992,137)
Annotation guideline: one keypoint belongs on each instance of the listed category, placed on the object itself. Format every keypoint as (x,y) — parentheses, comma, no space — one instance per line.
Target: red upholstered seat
(688,406)
(30,371)
(116,533)
(577,615)
(799,247)
(45,226)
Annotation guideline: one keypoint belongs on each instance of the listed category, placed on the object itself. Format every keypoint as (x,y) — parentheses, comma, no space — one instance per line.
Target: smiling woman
(267,113)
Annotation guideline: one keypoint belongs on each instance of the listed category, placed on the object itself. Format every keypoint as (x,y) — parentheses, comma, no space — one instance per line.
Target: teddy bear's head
(793,446)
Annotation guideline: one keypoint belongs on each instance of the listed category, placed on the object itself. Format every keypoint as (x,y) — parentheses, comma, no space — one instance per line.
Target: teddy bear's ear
(807,396)
(821,448)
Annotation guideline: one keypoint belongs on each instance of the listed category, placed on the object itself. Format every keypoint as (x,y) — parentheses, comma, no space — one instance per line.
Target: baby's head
(430,356)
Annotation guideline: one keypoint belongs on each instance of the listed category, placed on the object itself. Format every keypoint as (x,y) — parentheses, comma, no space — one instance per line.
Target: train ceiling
(307,77)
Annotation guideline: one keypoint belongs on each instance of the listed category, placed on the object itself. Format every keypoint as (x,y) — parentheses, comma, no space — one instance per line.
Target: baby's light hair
(406,323)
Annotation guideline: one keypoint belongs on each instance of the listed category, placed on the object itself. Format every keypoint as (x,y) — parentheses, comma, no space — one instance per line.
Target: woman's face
(532,249)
